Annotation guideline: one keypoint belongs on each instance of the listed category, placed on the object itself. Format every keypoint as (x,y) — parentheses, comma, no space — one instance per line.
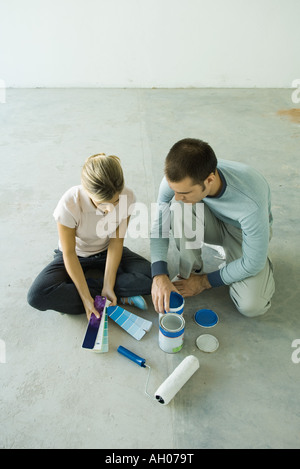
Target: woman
(92,219)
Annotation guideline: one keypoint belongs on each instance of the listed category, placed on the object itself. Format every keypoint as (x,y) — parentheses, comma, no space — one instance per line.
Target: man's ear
(210,179)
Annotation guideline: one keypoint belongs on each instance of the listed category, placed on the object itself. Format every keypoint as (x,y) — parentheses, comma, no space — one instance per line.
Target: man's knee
(253,295)
(250,307)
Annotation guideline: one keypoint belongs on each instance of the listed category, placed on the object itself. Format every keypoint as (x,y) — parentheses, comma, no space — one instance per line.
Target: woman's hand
(89,307)
(113,259)
(109,293)
(74,269)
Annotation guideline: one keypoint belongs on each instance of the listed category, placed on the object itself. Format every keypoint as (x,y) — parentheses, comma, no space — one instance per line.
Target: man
(229,203)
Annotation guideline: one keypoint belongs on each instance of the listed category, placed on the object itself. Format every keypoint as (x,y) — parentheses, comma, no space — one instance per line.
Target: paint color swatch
(91,332)
(96,336)
(101,344)
(134,325)
(94,323)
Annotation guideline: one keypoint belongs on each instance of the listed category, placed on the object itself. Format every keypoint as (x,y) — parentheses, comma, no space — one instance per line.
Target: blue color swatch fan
(134,325)
(96,336)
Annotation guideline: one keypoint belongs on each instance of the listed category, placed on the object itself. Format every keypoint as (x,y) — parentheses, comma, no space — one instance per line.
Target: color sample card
(96,337)
(134,325)
(101,345)
(92,332)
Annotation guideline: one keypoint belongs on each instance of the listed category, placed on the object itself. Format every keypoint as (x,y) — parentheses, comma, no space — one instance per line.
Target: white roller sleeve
(177,379)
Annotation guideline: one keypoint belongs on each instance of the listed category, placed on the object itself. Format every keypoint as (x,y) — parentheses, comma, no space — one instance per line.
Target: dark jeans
(53,288)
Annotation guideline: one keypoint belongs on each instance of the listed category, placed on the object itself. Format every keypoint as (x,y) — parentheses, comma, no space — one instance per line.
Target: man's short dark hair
(192,158)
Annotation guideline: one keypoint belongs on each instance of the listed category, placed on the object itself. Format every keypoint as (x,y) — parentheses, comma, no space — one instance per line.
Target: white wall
(149,43)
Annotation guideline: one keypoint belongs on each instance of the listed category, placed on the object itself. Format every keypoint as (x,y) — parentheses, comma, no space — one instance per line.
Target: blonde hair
(102,177)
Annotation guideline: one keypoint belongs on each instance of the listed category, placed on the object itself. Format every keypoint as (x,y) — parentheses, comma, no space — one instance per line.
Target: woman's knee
(34,298)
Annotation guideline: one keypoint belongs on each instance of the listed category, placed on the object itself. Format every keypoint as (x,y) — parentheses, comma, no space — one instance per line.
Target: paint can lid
(206,318)
(207,343)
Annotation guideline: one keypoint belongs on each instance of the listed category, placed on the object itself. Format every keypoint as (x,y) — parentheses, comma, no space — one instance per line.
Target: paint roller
(170,387)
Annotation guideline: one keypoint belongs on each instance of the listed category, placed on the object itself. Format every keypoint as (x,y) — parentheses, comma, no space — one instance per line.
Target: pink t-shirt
(94,228)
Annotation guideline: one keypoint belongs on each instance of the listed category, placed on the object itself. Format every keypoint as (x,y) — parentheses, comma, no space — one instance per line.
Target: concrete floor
(54,394)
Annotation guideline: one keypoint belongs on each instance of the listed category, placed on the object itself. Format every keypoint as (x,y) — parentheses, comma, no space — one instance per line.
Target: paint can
(171,332)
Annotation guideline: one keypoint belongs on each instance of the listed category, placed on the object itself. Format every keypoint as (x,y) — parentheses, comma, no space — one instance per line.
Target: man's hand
(161,289)
(192,286)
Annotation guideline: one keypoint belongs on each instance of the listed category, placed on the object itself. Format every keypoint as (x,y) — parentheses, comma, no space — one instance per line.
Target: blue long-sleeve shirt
(244,202)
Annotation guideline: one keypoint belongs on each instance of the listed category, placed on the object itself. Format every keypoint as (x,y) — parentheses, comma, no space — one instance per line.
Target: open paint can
(171,332)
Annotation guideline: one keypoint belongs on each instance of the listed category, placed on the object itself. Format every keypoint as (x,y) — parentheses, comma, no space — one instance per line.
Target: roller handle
(132,356)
